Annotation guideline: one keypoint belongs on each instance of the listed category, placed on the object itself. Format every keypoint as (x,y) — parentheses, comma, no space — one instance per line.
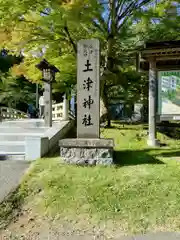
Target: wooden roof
(161,65)
(160,45)
(167,55)
(44,64)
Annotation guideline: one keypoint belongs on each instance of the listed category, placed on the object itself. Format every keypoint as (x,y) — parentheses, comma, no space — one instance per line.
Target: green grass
(140,193)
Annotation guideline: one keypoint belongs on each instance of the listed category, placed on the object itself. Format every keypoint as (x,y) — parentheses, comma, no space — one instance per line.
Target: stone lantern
(48,76)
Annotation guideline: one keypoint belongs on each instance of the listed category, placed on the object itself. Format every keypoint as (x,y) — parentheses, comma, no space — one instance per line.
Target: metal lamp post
(48,76)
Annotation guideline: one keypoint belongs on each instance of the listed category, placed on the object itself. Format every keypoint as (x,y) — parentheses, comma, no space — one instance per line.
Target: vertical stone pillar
(152,140)
(48,104)
(65,108)
(88,89)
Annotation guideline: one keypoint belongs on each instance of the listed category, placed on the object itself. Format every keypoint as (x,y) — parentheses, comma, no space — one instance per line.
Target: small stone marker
(88,94)
(88,148)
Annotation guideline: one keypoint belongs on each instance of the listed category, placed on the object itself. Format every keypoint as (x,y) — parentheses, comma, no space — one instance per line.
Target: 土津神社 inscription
(88,96)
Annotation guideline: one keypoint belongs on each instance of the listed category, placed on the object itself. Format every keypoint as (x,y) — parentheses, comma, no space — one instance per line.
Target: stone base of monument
(81,151)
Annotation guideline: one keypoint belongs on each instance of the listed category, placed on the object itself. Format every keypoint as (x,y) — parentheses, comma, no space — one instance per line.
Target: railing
(10,113)
(57,111)
(71,115)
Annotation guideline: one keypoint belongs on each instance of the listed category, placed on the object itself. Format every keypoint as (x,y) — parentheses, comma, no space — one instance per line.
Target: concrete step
(24,123)
(17,136)
(8,129)
(15,156)
(12,146)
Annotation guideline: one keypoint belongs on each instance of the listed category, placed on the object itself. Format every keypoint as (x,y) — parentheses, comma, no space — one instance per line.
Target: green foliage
(14,91)
(120,25)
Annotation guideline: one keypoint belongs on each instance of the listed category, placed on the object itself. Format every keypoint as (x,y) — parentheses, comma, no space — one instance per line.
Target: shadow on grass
(170,154)
(127,126)
(126,122)
(138,157)
(171,132)
(134,157)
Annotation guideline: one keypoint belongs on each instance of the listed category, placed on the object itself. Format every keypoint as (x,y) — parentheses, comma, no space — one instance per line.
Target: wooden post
(152,140)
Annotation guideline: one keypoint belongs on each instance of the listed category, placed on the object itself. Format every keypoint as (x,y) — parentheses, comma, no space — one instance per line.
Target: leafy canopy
(51,29)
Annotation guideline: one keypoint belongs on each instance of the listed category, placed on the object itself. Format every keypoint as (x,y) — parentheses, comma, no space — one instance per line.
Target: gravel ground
(10,174)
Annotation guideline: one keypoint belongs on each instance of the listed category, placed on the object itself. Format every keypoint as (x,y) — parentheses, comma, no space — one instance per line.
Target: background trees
(15,91)
(51,29)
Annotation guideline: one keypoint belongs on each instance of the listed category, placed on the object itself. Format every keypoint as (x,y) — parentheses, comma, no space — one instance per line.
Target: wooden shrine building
(156,57)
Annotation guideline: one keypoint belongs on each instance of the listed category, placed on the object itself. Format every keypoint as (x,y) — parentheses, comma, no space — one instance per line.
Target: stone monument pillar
(152,138)
(88,148)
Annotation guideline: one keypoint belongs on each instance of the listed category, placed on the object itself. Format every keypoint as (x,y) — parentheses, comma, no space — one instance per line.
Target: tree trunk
(104,102)
(108,122)
(104,111)
(109,60)
(106,105)
(108,115)
(110,68)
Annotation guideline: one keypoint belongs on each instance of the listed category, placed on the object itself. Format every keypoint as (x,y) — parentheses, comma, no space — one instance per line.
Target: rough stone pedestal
(82,151)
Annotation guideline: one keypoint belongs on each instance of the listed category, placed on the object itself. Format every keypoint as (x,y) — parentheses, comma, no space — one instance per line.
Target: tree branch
(70,38)
(130,8)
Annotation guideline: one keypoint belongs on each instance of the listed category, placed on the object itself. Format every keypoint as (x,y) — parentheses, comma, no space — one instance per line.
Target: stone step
(18,136)
(15,156)
(24,123)
(8,129)
(12,146)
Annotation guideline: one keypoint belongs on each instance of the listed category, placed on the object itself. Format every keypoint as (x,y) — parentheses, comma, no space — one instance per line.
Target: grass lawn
(140,193)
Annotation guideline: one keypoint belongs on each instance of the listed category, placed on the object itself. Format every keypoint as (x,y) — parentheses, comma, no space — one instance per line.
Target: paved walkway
(11,173)
(154,236)
(57,236)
